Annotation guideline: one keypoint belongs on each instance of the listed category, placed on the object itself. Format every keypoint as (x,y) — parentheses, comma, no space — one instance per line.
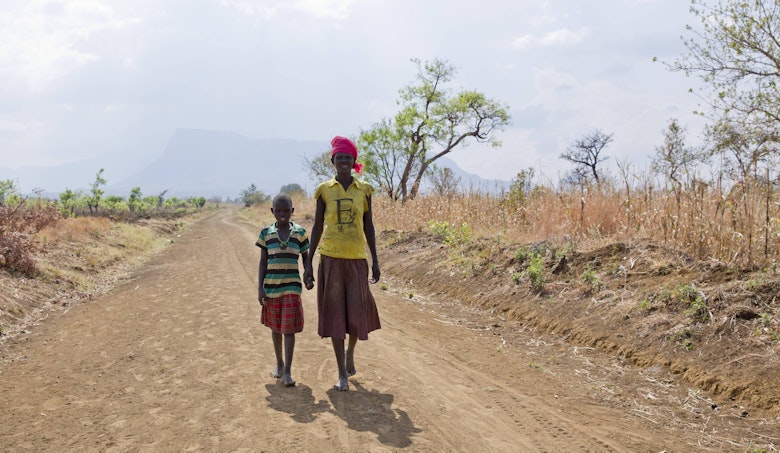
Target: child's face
(282,211)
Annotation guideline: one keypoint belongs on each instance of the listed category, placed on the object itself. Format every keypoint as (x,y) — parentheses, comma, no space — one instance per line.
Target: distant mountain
(218,163)
(53,180)
(206,163)
(470,181)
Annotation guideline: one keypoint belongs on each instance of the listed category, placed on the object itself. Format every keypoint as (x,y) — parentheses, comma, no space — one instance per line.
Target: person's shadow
(372,411)
(298,402)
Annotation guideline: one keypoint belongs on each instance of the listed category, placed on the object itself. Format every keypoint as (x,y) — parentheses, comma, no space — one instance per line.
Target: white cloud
(561,37)
(11,126)
(43,41)
(271,9)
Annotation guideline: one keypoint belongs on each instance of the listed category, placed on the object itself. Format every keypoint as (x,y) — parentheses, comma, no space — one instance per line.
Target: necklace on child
(283,244)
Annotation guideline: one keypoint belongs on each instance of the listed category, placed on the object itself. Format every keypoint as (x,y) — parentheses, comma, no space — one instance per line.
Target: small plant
(766,319)
(695,301)
(535,272)
(522,255)
(645,305)
(516,277)
(683,338)
(449,233)
(590,278)
(383,286)
(411,295)
(755,284)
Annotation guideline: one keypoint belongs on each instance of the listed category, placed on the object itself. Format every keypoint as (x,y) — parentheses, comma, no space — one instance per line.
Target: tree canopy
(736,53)
(432,122)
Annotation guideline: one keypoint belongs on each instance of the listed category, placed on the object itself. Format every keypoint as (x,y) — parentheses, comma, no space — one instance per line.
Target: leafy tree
(247,194)
(251,196)
(384,156)
(674,158)
(736,53)
(585,154)
(161,198)
(7,190)
(198,202)
(521,187)
(97,193)
(69,201)
(292,189)
(115,203)
(135,200)
(743,150)
(444,181)
(320,167)
(432,122)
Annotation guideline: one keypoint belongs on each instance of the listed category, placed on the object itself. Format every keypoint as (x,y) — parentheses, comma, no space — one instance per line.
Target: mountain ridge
(201,162)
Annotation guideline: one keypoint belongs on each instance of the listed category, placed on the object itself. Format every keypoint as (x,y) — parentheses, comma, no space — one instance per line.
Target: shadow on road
(297,401)
(372,411)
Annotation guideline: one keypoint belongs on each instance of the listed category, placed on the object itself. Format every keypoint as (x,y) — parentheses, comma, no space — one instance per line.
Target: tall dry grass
(739,227)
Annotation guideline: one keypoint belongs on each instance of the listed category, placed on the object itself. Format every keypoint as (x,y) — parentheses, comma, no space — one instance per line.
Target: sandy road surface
(175,359)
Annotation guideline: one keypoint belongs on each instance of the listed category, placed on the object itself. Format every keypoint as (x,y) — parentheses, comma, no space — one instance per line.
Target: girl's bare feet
(351,363)
(287,380)
(277,373)
(343,385)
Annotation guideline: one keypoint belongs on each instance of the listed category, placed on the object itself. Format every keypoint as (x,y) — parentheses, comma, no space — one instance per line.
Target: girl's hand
(375,273)
(308,280)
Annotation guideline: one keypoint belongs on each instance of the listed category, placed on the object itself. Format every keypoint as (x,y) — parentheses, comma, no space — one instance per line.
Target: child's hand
(308,280)
(261,297)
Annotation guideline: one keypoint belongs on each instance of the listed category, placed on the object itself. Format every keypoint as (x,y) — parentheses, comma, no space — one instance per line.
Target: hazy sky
(87,78)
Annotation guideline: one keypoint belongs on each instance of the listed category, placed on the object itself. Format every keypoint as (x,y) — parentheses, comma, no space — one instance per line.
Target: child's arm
(262,267)
(314,241)
(309,282)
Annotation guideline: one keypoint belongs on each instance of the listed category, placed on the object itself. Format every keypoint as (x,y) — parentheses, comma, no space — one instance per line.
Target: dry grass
(83,257)
(740,227)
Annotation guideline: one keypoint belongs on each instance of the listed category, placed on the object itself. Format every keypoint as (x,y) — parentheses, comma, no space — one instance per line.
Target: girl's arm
(368,229)
(314,241)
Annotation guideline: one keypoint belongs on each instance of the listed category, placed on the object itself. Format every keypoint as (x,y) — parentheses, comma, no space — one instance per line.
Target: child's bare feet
(351,363)
(277,373)
(288,381)
(343,385)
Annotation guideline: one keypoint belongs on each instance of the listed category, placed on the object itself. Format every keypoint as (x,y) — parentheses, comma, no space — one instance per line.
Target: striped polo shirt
(282,276)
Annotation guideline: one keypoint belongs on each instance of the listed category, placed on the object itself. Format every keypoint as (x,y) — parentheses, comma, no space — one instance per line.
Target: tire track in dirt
(176,359)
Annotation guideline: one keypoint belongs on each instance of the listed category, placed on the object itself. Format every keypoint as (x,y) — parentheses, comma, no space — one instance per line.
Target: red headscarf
(344,145)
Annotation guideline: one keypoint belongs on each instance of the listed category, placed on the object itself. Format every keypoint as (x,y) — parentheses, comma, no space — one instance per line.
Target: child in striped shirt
(279,290)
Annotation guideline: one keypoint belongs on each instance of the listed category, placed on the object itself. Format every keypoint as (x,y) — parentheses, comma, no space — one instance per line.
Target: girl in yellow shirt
(344,225)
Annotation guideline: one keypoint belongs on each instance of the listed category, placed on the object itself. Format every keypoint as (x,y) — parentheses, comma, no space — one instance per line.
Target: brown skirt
(345,304)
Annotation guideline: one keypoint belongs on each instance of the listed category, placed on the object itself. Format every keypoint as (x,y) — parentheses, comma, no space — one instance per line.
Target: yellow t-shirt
(343,236)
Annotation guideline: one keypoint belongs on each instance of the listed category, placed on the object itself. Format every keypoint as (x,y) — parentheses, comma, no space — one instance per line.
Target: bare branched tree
(585,154)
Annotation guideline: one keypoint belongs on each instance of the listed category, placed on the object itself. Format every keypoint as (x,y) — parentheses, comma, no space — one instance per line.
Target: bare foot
(351,364)
(342,386)
(288,381)
(277,373)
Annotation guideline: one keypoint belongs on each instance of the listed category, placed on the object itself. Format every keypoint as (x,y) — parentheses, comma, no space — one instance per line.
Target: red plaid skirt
(283,314)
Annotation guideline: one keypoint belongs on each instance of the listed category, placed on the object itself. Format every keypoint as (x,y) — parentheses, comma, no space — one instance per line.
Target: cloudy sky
(87,78)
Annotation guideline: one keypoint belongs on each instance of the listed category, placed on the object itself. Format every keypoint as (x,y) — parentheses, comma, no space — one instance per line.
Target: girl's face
(343,162)
(282,211)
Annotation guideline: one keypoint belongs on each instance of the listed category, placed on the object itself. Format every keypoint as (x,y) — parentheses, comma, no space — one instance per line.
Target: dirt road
(175,359)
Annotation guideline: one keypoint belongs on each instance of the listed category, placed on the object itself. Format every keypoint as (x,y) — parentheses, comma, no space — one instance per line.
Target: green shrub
(535,272)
